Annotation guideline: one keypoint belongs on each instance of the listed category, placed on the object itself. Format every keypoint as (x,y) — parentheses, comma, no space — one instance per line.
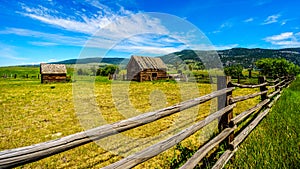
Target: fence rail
(19,156)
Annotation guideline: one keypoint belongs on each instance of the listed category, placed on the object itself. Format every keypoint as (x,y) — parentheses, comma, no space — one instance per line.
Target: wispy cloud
(8,52)
(216,47)
(286,39)
(80,22)
(107,29)
(271,19)
(248,20)
(153,44)
(226,25)
(52,39)
(44,43)
(282,36)
(262,2)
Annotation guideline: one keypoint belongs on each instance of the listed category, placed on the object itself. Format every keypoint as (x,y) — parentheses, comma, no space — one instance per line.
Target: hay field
(32,113)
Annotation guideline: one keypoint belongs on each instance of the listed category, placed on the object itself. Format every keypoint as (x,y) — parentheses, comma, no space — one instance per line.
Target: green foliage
(279,67)
(275,141)
(234,71)
(184,154)
(102,79)
(107,70)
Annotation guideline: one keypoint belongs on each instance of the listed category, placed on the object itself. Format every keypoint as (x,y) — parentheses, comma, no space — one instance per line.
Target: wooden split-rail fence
(270,91)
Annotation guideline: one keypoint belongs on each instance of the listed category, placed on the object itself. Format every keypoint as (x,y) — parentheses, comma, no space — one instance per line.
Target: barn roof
(149,62)
(53,68)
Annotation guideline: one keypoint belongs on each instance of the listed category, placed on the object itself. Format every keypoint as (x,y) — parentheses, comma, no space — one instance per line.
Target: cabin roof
(53,68)
(145,62)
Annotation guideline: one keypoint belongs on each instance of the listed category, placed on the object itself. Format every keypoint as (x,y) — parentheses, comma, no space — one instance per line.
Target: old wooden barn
(53,73)
(141,68)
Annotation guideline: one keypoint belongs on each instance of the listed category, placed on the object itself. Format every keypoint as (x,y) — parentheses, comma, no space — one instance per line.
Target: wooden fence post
(223,100)
(250,73)
(262,79)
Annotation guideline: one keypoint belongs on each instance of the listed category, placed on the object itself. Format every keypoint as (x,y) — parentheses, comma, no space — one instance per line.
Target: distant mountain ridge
(114,61)
(244,56)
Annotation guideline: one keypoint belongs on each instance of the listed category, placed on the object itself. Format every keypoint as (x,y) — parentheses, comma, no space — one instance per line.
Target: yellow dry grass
(32,113)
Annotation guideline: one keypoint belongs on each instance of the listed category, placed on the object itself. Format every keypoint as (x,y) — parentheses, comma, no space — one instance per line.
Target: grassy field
(32,112)
(275,143)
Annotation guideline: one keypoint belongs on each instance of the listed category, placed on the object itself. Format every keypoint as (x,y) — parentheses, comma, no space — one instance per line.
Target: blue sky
(51,30)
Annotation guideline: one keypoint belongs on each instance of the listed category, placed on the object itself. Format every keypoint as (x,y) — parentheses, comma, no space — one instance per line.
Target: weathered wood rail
(228,125)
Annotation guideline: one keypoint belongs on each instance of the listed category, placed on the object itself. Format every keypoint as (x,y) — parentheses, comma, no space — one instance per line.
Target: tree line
(268,67)
(101,71)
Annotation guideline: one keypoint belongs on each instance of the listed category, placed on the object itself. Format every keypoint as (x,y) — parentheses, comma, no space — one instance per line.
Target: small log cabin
(141,68)
(53,73)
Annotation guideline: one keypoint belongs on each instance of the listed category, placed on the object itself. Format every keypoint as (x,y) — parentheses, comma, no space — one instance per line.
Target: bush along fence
(270,91)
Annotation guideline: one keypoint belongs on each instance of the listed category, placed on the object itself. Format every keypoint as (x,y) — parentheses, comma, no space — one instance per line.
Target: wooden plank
(284,85)
(19,156)
(223,159)
(248,86)
(273,94)
(275,99)
(288,83)
(273,81)
(160,147)
(201,153)
(276,85)
(241,136)
(246,97)
(239,118)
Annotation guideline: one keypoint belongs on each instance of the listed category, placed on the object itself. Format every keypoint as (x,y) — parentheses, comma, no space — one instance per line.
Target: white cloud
(223,47)
(105,28)
(271,19)
(285,40)
(214,47)
(225,25)
(249,20)
(282,36)
(90,26)
(53,39)
(262,2)
(109,29)
(87,24)
(43,43)
(8,52)
(149,49)
(52,60)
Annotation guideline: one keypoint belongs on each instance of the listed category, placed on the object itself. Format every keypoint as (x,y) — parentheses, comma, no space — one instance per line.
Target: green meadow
(275,143)
(32,112)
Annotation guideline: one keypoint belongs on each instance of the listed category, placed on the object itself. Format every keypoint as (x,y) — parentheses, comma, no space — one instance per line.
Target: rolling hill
(114,61)
(244,56)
